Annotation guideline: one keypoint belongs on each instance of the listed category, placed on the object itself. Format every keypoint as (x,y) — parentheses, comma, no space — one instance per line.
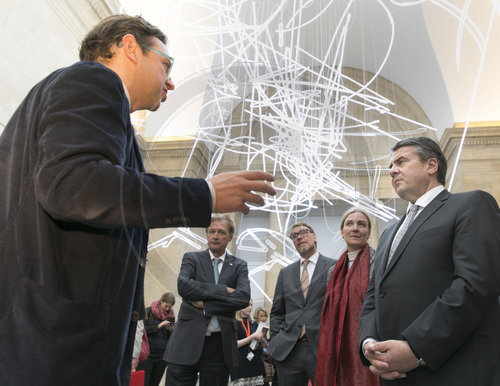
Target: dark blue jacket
(75,206)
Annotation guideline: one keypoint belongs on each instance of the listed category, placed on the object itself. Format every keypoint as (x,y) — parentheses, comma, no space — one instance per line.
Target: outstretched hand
(234,189)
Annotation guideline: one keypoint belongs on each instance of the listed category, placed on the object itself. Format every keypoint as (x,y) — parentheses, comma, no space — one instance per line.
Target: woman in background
(260,315)
(159,322)
(250,369)
(338,351)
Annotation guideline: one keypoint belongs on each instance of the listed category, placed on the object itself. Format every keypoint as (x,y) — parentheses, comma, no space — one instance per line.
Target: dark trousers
(211,366)
(154,367)
(298,367)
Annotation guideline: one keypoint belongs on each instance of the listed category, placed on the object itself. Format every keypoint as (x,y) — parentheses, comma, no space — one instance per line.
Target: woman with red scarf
(159,323)
(338,351)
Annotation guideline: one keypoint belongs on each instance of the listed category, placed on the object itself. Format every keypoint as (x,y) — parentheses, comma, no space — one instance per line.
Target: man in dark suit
(214,285)
(296,311)
(76,206)
(431,315)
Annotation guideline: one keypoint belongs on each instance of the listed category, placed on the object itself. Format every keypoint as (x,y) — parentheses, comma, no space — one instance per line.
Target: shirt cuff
(212,193)
(367,340)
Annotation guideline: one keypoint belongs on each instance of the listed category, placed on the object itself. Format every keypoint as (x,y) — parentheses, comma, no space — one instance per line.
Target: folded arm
(195,290)
(235,298)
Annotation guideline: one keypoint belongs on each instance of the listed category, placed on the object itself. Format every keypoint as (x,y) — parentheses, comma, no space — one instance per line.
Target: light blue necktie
(213,321)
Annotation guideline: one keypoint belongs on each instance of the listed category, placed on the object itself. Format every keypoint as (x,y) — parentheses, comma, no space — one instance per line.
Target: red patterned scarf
(338,352)
(160,314)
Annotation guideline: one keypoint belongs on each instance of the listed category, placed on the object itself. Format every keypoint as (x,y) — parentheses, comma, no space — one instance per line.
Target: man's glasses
(171,60)
(302,232)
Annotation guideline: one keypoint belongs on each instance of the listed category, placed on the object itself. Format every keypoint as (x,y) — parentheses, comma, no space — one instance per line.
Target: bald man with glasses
(296,311)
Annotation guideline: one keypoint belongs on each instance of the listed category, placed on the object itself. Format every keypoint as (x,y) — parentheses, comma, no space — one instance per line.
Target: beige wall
(479,166)
(39,37)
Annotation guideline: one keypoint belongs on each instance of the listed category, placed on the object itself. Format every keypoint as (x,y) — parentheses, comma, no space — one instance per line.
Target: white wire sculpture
(276,104)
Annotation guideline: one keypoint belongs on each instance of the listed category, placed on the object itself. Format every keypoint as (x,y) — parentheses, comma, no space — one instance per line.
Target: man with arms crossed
(76,205)
(296,311)
(431,314)
(213,284)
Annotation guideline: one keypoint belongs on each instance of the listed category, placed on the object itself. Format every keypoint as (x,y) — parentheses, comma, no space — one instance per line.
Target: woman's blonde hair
(257,310)
(238,313)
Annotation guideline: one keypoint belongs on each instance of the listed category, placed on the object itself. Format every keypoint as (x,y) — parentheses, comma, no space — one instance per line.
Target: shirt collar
(313,259)
(426,198)
(128,96)
(212,257)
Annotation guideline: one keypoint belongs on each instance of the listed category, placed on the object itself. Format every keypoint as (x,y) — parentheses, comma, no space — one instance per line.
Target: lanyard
(247,328)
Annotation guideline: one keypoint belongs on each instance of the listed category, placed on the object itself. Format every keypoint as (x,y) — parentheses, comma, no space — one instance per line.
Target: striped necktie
(304,284)
(304,278)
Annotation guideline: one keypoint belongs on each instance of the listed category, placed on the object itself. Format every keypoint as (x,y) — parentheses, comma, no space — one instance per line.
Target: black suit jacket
(290,311)
(440,291)
(197,282)
(75,206)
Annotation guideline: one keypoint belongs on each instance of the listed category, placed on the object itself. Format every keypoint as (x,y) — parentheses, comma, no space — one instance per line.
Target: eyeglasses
(172,60)
(302,232)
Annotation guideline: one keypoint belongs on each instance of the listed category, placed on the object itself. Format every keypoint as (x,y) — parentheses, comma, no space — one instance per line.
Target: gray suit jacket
(440,291)
(197,282)
(291,311)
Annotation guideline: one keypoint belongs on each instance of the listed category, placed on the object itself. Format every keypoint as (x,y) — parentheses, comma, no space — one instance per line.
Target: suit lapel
(320,266)
(207,266)
(227,268)
(426,213)
(295,279)
(136,148)
(385,253)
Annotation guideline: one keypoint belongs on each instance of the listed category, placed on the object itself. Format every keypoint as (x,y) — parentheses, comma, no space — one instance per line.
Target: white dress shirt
(313,260)
(222,258)
(426,198)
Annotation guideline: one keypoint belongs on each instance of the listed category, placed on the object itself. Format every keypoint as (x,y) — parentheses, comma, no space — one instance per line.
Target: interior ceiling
(443,54)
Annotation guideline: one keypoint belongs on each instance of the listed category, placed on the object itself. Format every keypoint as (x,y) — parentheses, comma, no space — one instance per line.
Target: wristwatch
(420,360)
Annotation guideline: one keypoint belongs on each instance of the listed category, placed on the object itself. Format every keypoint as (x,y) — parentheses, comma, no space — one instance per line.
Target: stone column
(479,163)
(272,274)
